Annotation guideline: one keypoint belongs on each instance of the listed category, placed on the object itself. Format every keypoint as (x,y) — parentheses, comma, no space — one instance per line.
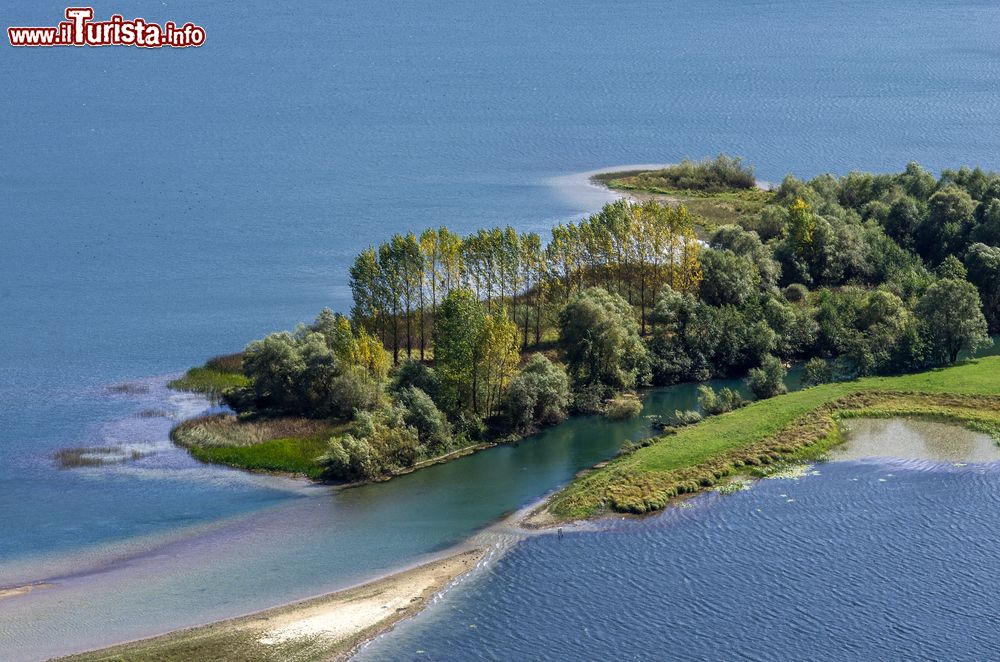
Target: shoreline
(330,626)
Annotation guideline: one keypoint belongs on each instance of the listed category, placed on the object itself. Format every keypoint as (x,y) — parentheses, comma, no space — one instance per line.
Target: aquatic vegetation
(129,389)
(96,456)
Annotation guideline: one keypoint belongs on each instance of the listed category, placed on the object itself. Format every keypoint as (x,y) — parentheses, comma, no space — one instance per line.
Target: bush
(600,338)
(768,380)
(589,399)
(380,444)
(817,371)
(351,391)
(622,407)
(795,293)
(422,414)
(538,394)
(714,403)
(682,418)
(710,175)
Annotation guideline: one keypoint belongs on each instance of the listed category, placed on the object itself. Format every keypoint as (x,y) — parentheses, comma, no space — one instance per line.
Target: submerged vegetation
(456,342)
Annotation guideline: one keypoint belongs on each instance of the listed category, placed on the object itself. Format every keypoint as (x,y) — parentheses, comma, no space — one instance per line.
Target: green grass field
(795,425)
(296,455)
(218,375)
(284,445)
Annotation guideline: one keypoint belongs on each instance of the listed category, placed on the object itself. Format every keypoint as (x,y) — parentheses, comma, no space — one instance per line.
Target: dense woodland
(455,340)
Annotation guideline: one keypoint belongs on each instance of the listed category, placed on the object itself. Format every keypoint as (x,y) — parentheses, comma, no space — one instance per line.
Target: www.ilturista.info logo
(79,29)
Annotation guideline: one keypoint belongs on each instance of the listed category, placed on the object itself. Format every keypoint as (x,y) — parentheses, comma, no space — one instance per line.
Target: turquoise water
(163,206)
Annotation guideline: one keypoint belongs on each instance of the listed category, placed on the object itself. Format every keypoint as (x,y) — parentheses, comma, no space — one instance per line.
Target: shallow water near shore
(874,558)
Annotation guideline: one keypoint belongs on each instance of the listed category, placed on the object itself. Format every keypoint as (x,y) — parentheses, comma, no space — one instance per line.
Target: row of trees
(632,250)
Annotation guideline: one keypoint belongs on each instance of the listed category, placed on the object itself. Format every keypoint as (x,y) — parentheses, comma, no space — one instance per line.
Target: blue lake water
(163,206)
(857,560)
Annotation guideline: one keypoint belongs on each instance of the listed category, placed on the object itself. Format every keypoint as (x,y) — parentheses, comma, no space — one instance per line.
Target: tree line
(629,249)
(834,271)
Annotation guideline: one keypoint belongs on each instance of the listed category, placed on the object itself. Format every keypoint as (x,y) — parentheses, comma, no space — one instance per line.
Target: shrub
(414,373)
(711,175)
(622,407)
(682,418)
(420,412)
(795,293)
(380,444)
(352,390)
(768,380)
(714,403)
(589,399)
(817,371)
(538,394)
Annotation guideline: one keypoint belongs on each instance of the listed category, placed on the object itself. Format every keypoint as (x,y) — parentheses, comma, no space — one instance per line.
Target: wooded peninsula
(458,342)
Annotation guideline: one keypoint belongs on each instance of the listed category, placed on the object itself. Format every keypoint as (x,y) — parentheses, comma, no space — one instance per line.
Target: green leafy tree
(420,412)
(458,334)
(952,318)
(600,338)
(983,264)
(538,395)
(948,223)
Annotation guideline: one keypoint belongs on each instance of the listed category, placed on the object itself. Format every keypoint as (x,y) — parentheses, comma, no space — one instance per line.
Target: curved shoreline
(330,626)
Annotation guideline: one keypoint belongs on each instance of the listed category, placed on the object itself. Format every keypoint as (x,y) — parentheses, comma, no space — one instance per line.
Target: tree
(498,359)
(983,264)
(952,319)
(728,279)
(538,395)
(420,412)
(948,223)
(475,354)
(768,380)
(600,339)
(905,217)
(275,367)
(457,346)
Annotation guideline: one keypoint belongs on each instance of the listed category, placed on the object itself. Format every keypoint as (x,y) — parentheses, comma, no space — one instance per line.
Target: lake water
(163,206)
(862,559)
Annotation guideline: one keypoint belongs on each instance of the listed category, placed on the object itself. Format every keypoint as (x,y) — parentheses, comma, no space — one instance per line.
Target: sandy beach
(330,627)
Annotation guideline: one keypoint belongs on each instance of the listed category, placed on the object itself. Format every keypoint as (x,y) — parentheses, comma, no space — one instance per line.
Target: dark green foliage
(414,373)
(816,371)
(768,380)
(600,337)
(538,395)
(983,264)
(952,320)
(728,279)
(420,412)
(795,293)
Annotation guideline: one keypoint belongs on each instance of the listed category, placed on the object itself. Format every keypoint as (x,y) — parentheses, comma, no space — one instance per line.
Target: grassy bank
(713,208)
(219,374)
(793,426)
(282,445)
